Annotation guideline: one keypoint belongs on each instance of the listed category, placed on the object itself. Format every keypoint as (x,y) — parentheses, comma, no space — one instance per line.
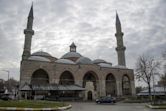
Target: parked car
(6,97)
(106,99)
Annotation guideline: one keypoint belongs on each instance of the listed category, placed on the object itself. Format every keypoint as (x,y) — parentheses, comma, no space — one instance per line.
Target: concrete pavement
(91,106)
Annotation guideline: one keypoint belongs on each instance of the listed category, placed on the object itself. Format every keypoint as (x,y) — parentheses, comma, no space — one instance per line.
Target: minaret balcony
(121,48)
(28,31)
(117,34)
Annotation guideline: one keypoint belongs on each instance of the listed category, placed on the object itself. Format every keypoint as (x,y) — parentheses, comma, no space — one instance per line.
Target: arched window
(110,85)
(126,85)
(66,78)
(90,76)
(40,76)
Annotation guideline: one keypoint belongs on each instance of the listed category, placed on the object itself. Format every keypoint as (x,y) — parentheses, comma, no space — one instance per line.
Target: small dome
(105,65)
(96,61)
(38,58)
(64,61)
(41,53)
(84,60)
(71,54)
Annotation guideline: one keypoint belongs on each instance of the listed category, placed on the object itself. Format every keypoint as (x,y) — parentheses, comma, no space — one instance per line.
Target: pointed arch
(66,78)
(90,76)
(90,95)
(110,82)
(126,87)
(40,76)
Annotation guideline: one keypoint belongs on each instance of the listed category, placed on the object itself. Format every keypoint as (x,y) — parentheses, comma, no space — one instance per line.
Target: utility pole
(153,90)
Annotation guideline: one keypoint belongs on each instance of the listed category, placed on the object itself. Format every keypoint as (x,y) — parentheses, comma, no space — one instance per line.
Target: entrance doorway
(90,95)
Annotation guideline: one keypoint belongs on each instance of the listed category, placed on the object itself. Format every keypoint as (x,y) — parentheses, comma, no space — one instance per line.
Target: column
(133,88)
(119,88)
(78,82)
(102,88)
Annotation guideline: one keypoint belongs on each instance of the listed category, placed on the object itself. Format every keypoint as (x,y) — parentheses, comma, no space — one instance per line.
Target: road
(90,106)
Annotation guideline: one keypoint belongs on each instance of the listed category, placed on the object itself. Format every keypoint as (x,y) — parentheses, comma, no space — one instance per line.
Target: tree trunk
(149,90)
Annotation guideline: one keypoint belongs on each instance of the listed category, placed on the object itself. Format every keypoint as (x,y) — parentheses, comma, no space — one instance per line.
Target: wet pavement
(91,106)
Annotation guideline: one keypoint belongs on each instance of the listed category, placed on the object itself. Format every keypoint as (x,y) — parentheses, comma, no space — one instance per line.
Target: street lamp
(153,89)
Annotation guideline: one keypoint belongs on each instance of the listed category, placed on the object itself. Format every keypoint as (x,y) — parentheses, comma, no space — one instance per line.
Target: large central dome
(72,55)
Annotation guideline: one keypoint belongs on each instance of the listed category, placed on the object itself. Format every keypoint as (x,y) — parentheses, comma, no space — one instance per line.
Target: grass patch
(32,104)
(159,104)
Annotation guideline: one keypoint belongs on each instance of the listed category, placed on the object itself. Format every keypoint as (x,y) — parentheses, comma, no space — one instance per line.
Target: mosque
(73,76)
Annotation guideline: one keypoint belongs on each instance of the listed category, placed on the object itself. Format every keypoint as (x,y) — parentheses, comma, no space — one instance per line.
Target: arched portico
(91,84)
(40,76)
(92,77)
(126,86)
(66,78)
(111,88)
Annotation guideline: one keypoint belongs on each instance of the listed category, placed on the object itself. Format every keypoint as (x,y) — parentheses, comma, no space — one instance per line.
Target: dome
(64,61)
(84,60)
(71,54)
(96,61)
(105,65)
(38,58)
(41,53)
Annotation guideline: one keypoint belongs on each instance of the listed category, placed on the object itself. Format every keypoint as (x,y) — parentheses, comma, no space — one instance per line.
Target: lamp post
(154,92)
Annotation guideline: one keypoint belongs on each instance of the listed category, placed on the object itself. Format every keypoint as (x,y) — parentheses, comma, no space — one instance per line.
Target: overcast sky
(89,23)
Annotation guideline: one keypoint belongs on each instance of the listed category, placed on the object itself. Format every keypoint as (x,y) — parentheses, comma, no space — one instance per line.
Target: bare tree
(146,68)
(2,86)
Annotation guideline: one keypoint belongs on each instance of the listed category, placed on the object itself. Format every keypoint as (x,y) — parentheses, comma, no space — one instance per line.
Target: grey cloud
(88,23)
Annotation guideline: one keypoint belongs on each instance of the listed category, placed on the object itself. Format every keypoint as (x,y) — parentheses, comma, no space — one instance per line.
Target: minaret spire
(30,18)
(28,35)
(31,12)
(118,24)
(120,47)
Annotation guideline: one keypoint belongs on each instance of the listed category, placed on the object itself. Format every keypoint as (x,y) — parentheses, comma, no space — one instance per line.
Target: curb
(35,109)
(155,107)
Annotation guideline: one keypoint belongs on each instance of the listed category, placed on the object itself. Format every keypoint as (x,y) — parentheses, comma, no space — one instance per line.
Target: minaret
(73,47)
(120,47)
(28,35)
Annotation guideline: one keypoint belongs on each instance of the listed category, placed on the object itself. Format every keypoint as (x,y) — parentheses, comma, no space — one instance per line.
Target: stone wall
(55,70)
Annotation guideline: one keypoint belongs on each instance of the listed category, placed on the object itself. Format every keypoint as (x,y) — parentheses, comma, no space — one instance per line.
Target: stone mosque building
(73,76)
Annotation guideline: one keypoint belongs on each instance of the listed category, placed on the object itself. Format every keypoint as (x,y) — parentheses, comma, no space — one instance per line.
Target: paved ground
(90,106)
